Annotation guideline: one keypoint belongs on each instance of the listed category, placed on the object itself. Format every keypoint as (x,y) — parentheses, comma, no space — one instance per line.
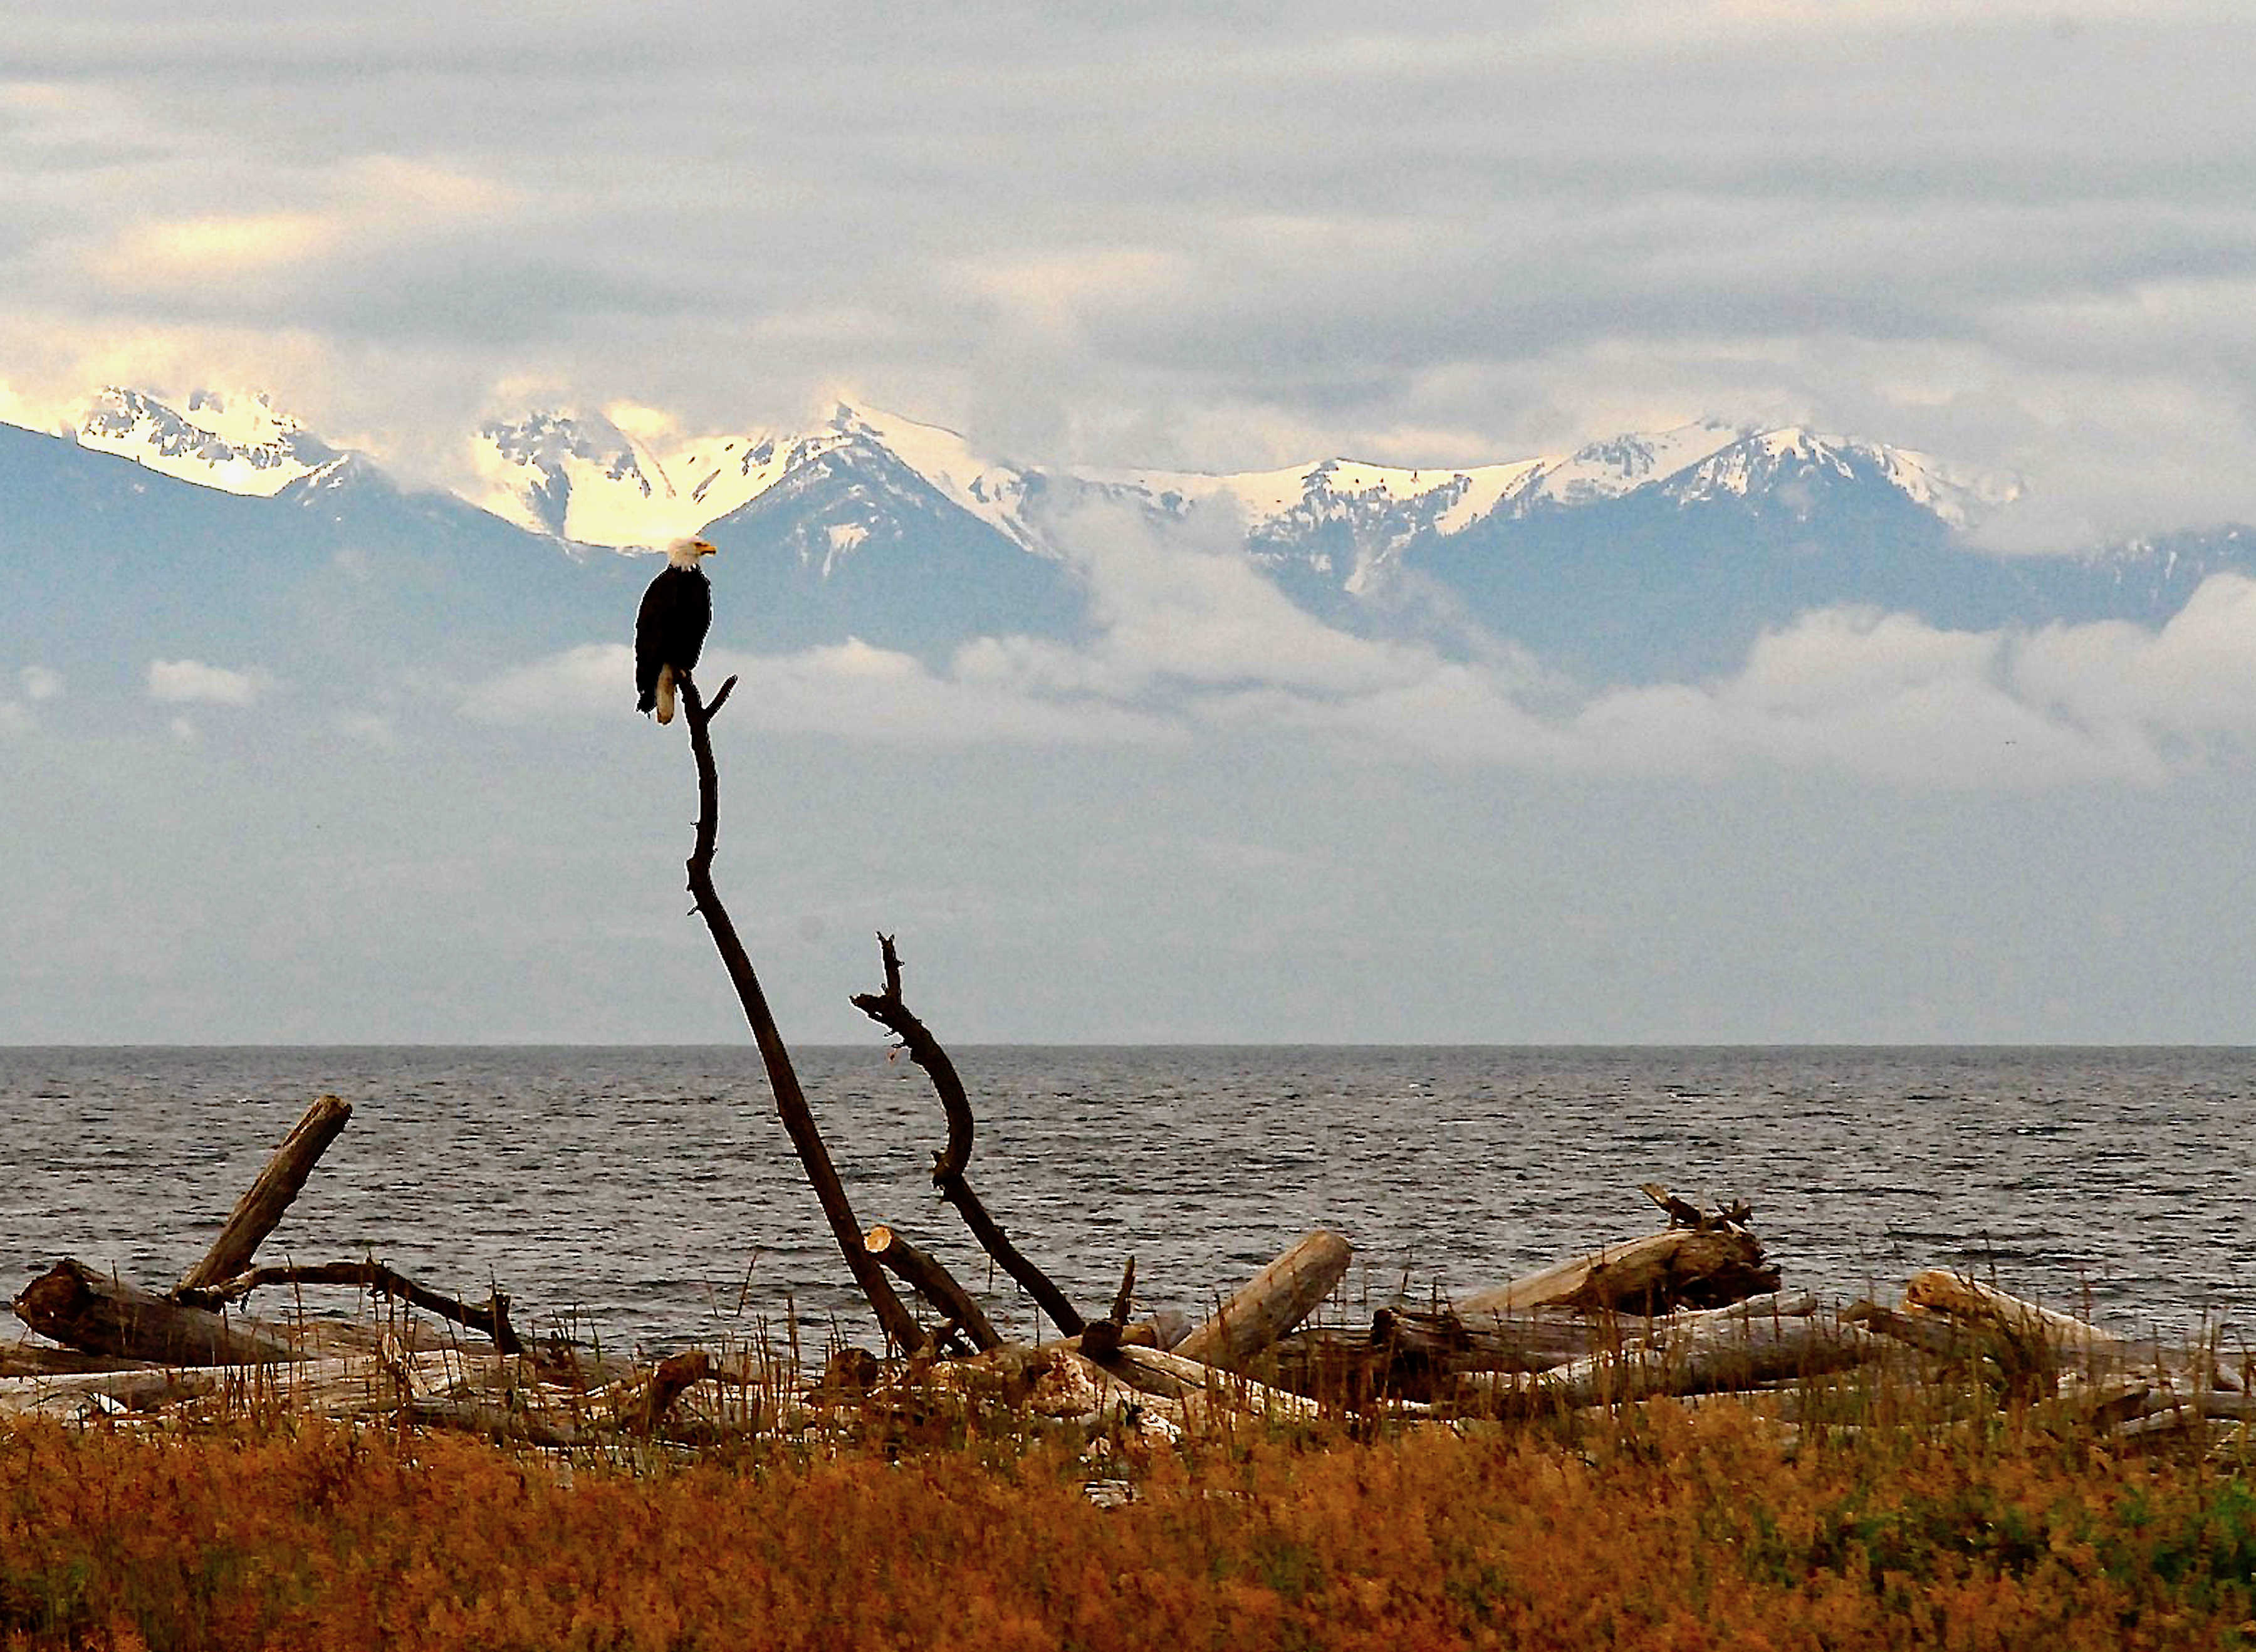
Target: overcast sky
(2018,235)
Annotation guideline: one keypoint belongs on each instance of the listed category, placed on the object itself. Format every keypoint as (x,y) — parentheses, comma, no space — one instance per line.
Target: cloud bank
(1201,239)
(1191,640)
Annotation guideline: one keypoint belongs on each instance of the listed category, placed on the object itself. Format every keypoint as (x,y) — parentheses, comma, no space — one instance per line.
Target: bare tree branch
(893,1317)
(890,1011)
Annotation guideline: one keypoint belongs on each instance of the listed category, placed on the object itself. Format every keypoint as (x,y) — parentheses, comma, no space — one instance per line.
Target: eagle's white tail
(665,694)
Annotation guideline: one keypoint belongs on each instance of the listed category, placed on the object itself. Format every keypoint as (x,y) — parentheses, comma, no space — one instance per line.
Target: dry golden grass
(1668,1528)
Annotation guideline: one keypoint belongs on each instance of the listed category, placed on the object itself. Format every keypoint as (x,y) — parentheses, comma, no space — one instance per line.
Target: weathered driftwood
(1684,1266)
(1684,1213)
(1931,1334)
(1712,1355)
(29,1359)
(71,1304)
(1446,1340)
(893,1317)
(1271,1303)
(1172,1376)
(891,1012)
(2027,1339)
(929,1276)
(266,1200)
(146,1388)
(1967,1301)
(490,1320)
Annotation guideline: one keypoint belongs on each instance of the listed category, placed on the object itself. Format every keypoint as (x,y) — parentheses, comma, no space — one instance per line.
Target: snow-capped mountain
(1353,524)
(236,442)
(1776,460)
(1644,557)
(589,479)
(582,476)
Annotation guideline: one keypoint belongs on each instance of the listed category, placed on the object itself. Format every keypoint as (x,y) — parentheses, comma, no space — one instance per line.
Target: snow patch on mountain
(237,441)
(1765,460)
(1622,464)
(1368,516)
(580,477)
(1279,503)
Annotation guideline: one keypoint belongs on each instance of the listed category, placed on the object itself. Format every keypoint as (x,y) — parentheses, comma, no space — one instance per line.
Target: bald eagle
(670,629)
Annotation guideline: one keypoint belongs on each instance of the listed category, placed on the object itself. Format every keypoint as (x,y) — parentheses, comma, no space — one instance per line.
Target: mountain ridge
(549,469)
(1644,557)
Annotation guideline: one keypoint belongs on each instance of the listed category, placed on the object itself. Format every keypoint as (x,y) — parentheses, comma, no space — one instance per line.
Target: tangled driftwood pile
(1694,1309)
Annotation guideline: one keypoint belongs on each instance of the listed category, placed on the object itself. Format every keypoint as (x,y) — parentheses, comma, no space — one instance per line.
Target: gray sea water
(649,1197)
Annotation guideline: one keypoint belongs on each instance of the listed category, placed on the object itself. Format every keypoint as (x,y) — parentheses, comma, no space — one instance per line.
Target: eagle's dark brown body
(677,610)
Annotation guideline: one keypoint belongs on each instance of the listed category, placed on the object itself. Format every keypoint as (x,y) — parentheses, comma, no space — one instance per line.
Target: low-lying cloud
(848,690)
(1192,642)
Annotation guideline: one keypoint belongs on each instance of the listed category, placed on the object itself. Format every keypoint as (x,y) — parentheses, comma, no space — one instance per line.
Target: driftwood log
(893,1317)
(891,1012)
(80,1308)
(29,1359)
(1969,1302)
(1710,1352)
(1445,1340)
(1173,1377)
(1683,1268)
(2032,1344)
(263,1204)
(643,1408)
(1101,1338)
(1271,1303)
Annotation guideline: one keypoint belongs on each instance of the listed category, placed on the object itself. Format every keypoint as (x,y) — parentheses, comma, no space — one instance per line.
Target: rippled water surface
(650,1195)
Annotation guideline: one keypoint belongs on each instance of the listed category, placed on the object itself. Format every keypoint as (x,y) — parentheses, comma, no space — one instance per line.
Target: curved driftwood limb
(642,1407)
(930,1279)
(71,1304)
(891,1012)
(893,1317)
(262,1207)
(1684,1213)
(491,1320)
(1271,1302)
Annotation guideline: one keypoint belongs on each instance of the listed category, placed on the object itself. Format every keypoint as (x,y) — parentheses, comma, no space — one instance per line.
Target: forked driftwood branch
(891,1012)
(893,1317)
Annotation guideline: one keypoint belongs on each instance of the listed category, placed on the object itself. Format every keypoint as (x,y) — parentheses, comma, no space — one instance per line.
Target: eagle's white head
(685,553)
